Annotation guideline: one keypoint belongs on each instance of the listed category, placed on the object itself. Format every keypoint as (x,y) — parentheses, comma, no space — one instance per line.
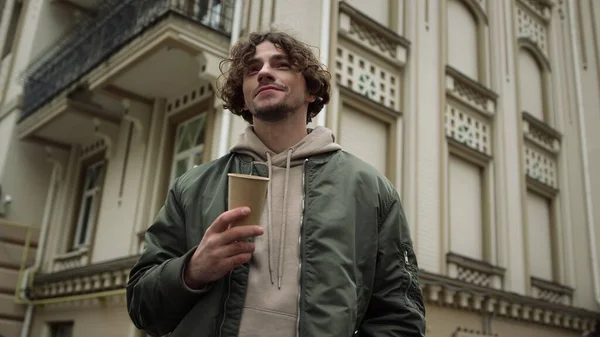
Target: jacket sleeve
(396,305)
(157,298)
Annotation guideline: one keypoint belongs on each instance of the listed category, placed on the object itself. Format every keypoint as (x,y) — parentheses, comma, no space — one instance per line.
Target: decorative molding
(93,148)
(465,332)
(109,133)
(208,66)
(370,34)
(71,260)
(541,166)
(138,114)
(533,24)
(541,134)
(470,92)
(479,7)
(476,272)
(196,93)
(541,8)
(106,276)
(445,291)
(551,291)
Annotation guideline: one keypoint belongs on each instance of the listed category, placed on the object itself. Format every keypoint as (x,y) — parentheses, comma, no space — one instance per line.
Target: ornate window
(467,36)
(189,148)
(369,60)
(541,153)
(469,115)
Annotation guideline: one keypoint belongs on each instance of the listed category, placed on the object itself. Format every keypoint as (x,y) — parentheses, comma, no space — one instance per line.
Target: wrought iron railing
(92,43)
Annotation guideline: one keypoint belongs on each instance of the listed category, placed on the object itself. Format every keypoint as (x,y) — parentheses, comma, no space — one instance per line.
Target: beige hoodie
(271,305)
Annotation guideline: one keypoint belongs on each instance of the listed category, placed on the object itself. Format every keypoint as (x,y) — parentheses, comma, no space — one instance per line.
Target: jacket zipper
(225,304)
(300,242)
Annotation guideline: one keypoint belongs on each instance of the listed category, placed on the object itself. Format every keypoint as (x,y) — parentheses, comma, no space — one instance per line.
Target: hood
(318,141)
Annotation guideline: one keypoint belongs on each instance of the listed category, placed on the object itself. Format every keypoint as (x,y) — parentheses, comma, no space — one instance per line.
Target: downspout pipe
(324,49)
(226,114)
(54,177)
(584,155)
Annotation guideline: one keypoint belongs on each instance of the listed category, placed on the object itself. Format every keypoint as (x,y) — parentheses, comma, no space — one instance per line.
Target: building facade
(484,114)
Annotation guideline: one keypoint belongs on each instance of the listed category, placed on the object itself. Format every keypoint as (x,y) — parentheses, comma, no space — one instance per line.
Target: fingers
(226,218)
(237,234)
(238,260)
(235,248)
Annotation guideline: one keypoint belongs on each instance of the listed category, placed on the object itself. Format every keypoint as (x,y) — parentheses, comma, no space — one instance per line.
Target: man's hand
(221,249)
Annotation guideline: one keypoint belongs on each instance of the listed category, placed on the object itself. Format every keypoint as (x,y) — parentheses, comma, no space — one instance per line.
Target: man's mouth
(267,87)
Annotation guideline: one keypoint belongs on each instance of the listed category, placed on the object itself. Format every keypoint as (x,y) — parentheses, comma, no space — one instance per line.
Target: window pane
(87,208)
(181,167)
(185,142)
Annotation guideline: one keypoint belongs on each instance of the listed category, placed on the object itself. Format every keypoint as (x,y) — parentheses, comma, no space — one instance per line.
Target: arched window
(531,85)
(463,39)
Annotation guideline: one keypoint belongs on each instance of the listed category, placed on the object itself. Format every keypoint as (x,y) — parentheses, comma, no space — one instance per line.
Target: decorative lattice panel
(541,137)
(550,296)
(474,277)
(533,28)
(540,166)
(467,129)
(371,38)
(367,78)
(465,92)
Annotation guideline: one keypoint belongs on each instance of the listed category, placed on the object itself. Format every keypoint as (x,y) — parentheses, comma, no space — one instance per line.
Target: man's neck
(281,135)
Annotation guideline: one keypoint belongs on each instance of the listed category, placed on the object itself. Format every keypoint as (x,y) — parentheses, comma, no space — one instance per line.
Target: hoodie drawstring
(269,220)
(284,220)
(282,235)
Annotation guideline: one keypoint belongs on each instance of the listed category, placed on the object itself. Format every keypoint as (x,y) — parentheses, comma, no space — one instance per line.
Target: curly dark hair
(301,58)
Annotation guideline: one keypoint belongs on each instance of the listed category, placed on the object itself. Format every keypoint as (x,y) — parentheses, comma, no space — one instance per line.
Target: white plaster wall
(116,220)
(25,176)
(425,57)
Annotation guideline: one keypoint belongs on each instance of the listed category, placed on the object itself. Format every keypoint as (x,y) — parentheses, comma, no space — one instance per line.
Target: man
(332,254)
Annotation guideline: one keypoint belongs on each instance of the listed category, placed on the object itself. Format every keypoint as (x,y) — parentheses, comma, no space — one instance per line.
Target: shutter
(365,136)
(466,225)
(539,236)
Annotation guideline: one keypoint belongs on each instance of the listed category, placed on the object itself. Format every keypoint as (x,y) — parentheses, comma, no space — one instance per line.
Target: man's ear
(311,98)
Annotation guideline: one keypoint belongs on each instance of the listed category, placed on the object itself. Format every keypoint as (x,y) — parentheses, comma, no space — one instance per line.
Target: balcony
(131,49)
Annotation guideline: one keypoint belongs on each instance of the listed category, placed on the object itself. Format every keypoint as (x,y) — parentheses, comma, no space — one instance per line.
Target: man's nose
(265,74)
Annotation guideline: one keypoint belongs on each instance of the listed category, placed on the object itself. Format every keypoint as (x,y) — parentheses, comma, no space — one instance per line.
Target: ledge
(457,74)
(552,286)
(468,153)
(374,25)
(445,291)
(480,266)
(541,125)
(89,270)
(540,187)
(349,92)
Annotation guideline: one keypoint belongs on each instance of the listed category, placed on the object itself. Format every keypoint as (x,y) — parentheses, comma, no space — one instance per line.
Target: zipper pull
(406,257)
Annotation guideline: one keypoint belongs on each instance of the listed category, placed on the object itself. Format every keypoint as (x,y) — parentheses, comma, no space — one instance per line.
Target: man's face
(272,89)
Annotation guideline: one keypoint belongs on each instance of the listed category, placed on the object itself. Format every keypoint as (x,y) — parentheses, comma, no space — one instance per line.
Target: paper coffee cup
(247,190)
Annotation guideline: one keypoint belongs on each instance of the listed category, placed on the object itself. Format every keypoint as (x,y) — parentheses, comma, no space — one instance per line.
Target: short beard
(275,113)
